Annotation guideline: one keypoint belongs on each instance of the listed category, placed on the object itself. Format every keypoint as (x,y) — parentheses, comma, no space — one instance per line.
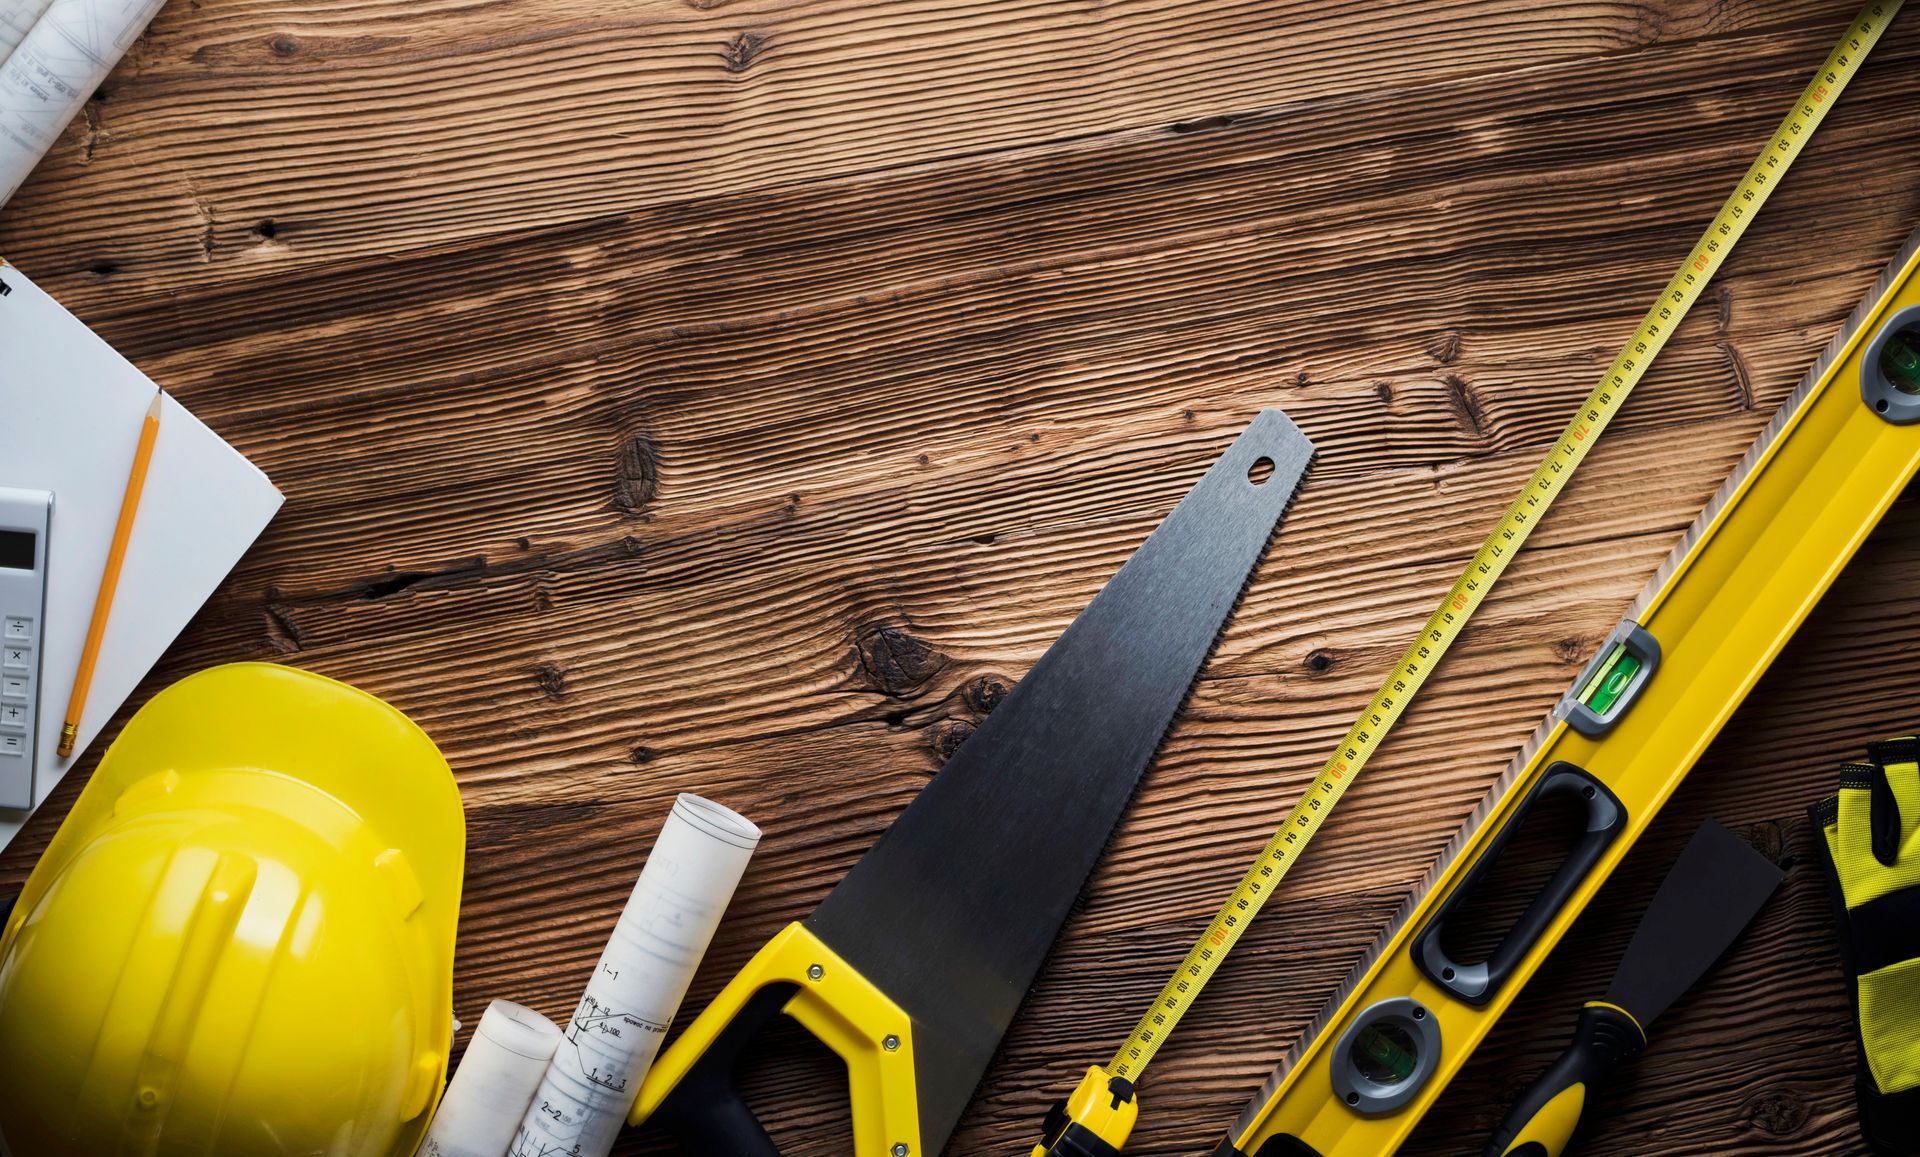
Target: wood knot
(895,662)
(1203,125)
(637,475)
(982,695)
(391,584)
(1383,391)
(1320,661)
(946,736)
(1465,406)
(1572,652)
(285,44)
(1770,839)
(1776,1111)
(284,634)
(743,50)
(642,755)
(553,680)
(1445,348)
(1741,375)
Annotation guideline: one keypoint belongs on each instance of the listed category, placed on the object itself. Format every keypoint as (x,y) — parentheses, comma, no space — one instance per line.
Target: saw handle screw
(891,1043)
(899,1149)
(815,972)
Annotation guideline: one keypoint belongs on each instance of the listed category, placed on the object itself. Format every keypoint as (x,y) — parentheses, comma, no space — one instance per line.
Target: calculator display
(16,549)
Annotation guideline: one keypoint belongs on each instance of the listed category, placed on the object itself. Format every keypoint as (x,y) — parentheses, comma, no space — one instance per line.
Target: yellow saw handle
(690,1088)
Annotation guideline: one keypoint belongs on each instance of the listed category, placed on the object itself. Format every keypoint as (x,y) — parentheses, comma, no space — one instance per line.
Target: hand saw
(1716,613)
(914,964)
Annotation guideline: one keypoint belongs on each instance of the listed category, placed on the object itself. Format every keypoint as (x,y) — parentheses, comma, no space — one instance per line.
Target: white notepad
(70,415)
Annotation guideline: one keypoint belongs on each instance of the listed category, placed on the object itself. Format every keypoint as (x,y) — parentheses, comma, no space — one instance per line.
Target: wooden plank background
(733,395)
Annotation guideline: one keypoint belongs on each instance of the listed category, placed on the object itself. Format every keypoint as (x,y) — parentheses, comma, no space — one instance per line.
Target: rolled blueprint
(638,985)
(494,1085)
(54,69)
(16,16)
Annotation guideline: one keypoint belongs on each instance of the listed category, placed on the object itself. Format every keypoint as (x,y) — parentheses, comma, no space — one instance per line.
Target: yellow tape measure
(1370,730)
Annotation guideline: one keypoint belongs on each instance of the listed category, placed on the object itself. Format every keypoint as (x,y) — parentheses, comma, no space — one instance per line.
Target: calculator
(24,519)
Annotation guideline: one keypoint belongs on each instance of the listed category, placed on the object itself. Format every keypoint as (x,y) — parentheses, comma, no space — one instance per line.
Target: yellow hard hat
(240,942)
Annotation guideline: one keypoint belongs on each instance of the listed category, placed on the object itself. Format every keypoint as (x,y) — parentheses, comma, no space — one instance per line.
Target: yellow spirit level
(1692,645)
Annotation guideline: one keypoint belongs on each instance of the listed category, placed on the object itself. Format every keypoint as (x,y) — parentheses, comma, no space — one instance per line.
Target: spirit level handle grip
(1477,983)
(1543,1120)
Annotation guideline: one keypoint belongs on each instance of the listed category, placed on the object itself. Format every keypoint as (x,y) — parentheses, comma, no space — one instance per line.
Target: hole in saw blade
(1551,828)
(1260,471)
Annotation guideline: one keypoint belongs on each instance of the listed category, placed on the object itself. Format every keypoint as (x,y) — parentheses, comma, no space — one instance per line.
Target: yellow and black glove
(1872,855)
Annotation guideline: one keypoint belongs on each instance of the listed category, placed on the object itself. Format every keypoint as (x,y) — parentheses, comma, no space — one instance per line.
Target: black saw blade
(1710,895)
(954,909)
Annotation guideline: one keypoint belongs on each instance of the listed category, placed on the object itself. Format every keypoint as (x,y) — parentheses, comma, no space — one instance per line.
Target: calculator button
(13,745)
(13,715)
(19,628)
(16,658)
(13,687)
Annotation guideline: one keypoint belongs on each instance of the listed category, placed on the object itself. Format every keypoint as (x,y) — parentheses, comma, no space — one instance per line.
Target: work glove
(1871,849)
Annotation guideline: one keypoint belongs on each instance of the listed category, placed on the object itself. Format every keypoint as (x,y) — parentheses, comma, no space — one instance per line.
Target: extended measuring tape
(1100,1114)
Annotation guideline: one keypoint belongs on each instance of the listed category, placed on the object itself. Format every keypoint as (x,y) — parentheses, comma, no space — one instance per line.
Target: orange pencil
(110,578)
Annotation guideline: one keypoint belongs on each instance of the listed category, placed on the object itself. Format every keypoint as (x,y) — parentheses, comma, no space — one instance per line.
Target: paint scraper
(1712,892)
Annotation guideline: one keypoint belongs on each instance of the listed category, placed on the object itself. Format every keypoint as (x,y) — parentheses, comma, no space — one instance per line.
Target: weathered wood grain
(390,122)
(737,397)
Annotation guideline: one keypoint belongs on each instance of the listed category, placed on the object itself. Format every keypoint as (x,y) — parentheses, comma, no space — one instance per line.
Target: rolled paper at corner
(54,69)
(670,918)
(495,1083)
(16,17)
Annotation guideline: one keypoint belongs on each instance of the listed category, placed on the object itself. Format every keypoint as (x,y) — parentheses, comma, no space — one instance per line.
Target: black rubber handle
(1550,1109)
(1477,983)
(705,1111)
